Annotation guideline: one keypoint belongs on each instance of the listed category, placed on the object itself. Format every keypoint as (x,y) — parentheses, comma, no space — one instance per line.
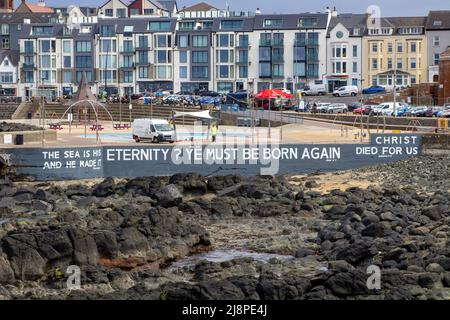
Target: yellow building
(395,48)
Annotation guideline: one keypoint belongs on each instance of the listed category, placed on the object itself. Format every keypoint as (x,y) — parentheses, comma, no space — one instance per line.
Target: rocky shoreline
(325,230)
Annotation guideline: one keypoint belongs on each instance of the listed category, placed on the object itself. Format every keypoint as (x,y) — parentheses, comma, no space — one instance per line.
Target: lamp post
(395,79)
(42,105)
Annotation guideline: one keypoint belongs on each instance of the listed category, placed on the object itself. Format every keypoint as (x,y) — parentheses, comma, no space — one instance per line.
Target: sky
(388,7)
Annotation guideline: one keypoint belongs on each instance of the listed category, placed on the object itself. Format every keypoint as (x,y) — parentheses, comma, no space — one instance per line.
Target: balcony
(126,50)
(271,42)
(141,64)
(300,43)
(28,66)
(242,45)
(242,61)
(143,46)
(277,58)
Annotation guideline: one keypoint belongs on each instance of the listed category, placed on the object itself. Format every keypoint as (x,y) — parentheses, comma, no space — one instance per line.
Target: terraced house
(395,51)
(148,45)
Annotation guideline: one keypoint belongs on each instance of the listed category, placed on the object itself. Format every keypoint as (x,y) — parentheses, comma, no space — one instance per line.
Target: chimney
(334,13)
(41,3)
(258,11)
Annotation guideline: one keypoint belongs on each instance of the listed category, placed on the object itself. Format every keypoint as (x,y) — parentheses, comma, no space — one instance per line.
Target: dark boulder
(105,188)
(169,196)
(84,247)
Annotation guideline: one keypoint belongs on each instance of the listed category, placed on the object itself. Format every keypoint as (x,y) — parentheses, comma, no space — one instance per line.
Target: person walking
(213,132)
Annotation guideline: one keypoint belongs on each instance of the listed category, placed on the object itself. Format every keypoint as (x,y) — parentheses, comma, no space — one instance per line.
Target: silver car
(337,108)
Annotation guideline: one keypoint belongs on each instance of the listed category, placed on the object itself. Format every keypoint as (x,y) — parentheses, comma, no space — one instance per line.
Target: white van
(346,91)
(314,90)
(387,109)
(156,130)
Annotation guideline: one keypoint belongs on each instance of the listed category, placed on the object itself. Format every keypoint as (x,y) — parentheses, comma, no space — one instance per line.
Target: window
(199,41)
(389,63)
(109,12)
(313,70)
(83,62)
(67,62)
(389,47)
(128,76)
(162,56)
(46,61)
(200,57)
(183,73)
(355,67)
(48,46)
(413,63)
(42,31)
(29,47)
(67,46)
(135,12)
(108,62)
(299,54)
(121,12)
(84,46)
(265,54)
(143,42)
(107,31)
(67,76)
(188,25)
(163,41)
(149,11)
(374,47)
(163,72)
(413,47)
(5,43)
(159,25)
(224,87)
(108,46)
(278,70)
(223,40)
(223,56)
(127,46)
(413,80)
(108,75)
(307,22)
(6,63)
(299,69)
(4,29)
(6,77)
(273,23)
(29,77)
(199,72)
(436,41)
(265,69)
(183,41)
(243,56)
(355,51)
(127,61)
(399,63)
(436,59)
(400,47)
(143,72)
(243,41)
(143,57)
(243,72)
(231,24)
(183,56)
(223,71)
(375,63)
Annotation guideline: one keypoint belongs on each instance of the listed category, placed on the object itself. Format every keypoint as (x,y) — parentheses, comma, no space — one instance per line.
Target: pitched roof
(201,6)
(438,20)
(18,17)
(37,8)
(350,22)
(108,1)
(407,21)
(169,5)
(13,56)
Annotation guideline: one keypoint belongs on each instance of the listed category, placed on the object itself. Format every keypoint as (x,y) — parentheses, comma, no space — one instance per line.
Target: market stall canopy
(199,115)
(273,94)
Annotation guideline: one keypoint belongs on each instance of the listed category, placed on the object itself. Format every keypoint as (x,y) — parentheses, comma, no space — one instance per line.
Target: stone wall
(29,137)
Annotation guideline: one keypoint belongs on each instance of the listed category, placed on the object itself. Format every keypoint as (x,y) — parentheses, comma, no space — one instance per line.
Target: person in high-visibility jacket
(213,132)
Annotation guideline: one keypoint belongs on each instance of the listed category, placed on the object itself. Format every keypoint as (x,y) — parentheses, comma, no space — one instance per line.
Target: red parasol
(273,94)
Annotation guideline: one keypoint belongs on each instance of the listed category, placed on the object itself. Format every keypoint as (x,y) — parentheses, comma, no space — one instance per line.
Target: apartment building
(438,37)
(9,60)
(395,47)
(344,50)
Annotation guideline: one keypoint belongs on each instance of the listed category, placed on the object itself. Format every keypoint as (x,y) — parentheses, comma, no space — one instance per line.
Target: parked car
(387,109)
(353,106)
(364,110)
(420,111)
(337,108)
(322,107)
(314,90)
(433,111)
(374,90)
(346,91)
(446,112)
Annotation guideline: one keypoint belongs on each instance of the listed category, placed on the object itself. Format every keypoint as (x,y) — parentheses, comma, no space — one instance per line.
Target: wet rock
(105,188)
(169,196)
(84,246)
(189,182)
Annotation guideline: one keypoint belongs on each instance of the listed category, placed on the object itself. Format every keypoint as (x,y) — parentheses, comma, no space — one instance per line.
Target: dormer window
(437,23)
(273,23)
(356,31)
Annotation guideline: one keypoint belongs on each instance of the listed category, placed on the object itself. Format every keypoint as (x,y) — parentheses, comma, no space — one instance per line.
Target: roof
(201,6)
(37,8)
(13,56)
(350,22)
(400,22)
(16,17)
(126,5)
(140,25)
(290,21)
(438,20)
(169,5)
(247,24)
